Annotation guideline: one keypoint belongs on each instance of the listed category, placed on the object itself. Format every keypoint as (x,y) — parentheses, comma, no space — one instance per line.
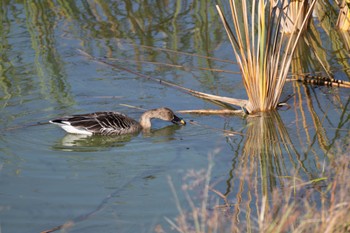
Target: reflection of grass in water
(320,204)
(326,14)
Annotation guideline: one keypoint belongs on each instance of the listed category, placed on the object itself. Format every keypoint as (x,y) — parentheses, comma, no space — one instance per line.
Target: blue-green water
(107,184)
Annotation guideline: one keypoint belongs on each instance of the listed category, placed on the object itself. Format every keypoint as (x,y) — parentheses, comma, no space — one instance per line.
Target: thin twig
(228,132)
(25,126)
(184,53)
(174,65)
(131,106)
(233,101)
(213,111)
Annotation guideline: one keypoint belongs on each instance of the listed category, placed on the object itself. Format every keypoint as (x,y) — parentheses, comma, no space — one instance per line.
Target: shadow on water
(86,143)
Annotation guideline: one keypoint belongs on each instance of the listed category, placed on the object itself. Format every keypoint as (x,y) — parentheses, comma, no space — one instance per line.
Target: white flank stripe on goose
(71,129)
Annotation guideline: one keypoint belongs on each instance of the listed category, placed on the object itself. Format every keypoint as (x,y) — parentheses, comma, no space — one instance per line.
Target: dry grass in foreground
(306,207)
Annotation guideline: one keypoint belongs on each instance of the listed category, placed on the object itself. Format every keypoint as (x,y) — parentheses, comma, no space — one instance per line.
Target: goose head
(164,114)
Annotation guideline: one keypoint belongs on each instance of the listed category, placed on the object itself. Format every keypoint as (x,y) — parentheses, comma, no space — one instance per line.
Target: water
(108,184)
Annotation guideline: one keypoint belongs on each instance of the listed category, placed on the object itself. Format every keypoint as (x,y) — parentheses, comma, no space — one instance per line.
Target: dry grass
(317,205)
(263,52)
(290,15)
(343,22)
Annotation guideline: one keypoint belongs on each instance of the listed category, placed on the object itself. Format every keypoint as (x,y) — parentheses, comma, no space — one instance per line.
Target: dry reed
(263,52)
(293,210)
(343,22)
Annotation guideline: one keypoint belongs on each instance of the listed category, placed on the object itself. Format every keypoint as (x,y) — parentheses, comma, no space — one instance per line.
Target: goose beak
(178,121)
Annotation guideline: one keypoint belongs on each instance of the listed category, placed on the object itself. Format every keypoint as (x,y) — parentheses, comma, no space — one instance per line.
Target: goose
(114,123)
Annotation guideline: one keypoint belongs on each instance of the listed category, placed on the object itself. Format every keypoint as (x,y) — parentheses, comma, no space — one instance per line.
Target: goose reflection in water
(91,143)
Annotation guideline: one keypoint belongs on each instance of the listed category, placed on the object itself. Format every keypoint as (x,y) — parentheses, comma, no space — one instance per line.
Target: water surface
(108,184)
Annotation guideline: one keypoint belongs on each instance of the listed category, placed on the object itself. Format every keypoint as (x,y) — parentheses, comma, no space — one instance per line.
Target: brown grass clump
(319,205)
(263,52)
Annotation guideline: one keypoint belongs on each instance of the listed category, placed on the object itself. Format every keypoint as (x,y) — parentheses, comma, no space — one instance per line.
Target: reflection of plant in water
(314,130)
(48,63)
(111,26)
(266,154)
(267,140)
(5,64)
(309,55)
(326,14)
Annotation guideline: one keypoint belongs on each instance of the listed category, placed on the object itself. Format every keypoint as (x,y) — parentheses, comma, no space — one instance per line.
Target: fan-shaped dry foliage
(262,50)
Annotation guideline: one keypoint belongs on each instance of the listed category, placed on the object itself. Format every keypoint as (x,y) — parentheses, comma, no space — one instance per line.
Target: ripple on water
(51,179)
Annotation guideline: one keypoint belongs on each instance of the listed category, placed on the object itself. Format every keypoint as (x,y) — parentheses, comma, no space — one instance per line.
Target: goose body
(113,123)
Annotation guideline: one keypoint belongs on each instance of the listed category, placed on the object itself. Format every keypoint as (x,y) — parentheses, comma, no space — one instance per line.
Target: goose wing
(116,123)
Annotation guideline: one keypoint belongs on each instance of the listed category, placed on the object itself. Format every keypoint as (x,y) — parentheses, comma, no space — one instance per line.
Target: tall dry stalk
(291,9)
(262,50)
(343,22)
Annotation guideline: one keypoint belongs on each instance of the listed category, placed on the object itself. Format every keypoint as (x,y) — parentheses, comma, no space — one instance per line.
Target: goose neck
(145,120)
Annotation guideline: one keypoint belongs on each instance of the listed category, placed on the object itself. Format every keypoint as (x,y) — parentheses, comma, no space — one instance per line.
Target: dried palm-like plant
(262,50)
